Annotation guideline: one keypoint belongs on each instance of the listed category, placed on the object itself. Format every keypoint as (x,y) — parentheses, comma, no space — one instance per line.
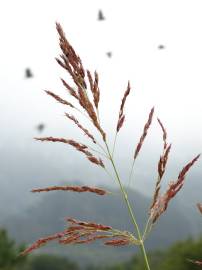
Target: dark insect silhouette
(161,47)
(100,16)
(28,73)
(40,127)
(109,54)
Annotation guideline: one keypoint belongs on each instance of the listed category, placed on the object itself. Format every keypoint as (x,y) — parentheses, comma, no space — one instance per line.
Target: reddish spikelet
(104,236)
(145,130)
(90,79)
(96,90)
(121,115)
(199,206)
(161,170)
(127,92)
(117,242)
(161,164)
(71,117)
(162,202)
(70,240)
(72,229)
(163,161)
(87,105)
(120,123)
(59,99)
(94,87)
(85,241)
(79,189)
(96,161)
(70,89)
(164,133)
(89,224)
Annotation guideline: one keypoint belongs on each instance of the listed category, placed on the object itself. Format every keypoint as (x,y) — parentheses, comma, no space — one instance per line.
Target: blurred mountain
(47,216)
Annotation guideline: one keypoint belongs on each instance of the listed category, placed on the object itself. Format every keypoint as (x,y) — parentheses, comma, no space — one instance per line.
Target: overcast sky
(169,79)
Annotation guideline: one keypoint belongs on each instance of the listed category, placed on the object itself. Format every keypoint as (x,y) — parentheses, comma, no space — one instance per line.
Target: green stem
(131,173)
(146,230)
(96,151)
(114,144)
(125,196)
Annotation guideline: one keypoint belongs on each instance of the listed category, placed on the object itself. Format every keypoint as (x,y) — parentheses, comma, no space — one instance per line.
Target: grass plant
(86,96)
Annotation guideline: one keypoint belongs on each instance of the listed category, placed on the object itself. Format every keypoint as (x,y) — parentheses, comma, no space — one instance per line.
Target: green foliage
(9,253)
(51,262)
(177,256)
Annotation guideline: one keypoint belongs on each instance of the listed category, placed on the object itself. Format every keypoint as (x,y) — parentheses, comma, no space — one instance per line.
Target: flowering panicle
(79,189)
(144,134)
(161,203)
(80,232)
(71,62)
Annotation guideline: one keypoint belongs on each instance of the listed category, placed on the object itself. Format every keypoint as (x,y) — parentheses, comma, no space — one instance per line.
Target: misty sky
(169,79)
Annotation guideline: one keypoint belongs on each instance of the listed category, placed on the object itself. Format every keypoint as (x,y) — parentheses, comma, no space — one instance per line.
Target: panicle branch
(94,87)
(161,164)
(79,189)
(80,147)
(121,115)
(71,117)
(144,134)
(164,133)
(70,89)
(43,241)
(59,99)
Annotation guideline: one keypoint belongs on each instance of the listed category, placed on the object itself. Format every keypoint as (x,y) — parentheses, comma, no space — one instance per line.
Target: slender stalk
(131,173)
(114,144)
(147,229)
(125,196)
(98,152)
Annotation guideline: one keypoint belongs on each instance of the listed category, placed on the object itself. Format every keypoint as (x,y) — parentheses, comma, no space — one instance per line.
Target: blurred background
(154,44)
